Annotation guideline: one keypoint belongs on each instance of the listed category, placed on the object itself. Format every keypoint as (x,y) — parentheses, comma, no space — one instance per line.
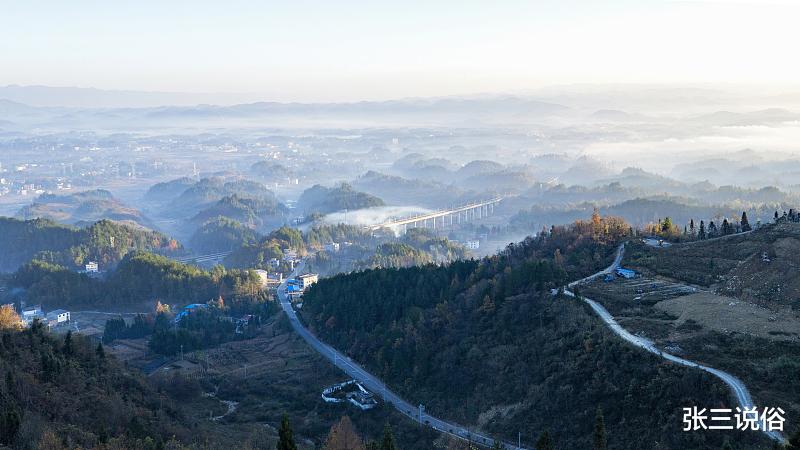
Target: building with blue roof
(625,273)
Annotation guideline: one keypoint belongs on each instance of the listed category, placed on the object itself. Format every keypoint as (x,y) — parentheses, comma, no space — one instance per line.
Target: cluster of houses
(52,319)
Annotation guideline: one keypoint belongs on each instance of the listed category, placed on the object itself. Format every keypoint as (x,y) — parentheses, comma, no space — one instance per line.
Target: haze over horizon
(353,51)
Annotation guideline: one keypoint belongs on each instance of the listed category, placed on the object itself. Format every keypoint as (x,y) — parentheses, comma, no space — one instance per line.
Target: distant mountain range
(69,108)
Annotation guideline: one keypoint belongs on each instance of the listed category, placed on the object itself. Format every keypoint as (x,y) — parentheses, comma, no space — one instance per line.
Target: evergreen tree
(727,445)
(726,227)
(712,229)
(702,233)
(745,223)
(691,227)
(794,441)
(545,442)
(776,216)
(9,426)
(100,351)
(387,443)
(600,440)
(11,385)
(286,436)
(68,349)
(497,446)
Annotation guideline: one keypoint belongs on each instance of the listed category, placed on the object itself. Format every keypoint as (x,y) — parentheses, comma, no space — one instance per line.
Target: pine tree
(745,223)
(702,233)
(286,436)
(100,351)
(776,216)
(11,384)
(726,227)
(67,349)
(712,229)
(387,443)
(691,227)
(9,426)
(600,440)
(545,442)
(794,441)
(727,445)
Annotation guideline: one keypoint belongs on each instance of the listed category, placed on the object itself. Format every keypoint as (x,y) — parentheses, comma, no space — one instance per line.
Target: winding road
(736,385)
(375,385)
(417,414)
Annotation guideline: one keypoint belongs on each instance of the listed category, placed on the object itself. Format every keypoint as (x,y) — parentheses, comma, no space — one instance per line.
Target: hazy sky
(346,50)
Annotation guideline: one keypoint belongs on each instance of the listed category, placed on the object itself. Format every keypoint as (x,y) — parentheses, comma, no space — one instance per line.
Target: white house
(473,245)
(269,280)
(307,280)
(32,312)
(333,247)
(57,317)
(92,267)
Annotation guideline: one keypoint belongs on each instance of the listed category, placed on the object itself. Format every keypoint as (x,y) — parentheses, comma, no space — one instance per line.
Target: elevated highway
(444,217)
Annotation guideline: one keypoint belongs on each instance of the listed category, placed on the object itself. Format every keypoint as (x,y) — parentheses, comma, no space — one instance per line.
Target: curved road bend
(737,386)
(373,383)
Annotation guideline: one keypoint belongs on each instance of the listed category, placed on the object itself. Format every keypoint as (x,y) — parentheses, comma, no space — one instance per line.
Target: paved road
(737,386)
(375,385)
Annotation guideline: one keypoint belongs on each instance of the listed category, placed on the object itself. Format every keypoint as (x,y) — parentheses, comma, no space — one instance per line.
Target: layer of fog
(373,216)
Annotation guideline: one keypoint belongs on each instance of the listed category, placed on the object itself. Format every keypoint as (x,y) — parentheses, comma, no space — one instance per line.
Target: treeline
(485,341)
(105,242)
(141,278)
(700,231)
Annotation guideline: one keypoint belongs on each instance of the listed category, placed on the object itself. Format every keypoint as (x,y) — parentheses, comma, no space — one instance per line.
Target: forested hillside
(253,212)
(222,234)
(320,199)
(105,241)
(485,343)
(141,280)
(65,392)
